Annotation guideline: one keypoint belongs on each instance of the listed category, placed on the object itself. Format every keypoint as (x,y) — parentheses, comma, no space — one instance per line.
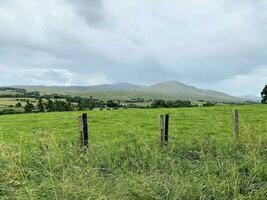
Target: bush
(9,111)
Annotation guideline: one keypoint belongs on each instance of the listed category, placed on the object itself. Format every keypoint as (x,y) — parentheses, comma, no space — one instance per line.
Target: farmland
(40,157)
(10,103)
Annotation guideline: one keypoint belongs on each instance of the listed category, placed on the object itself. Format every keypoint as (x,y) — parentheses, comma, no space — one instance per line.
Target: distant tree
(57,105)
(264,95)
(62,106)
(170,104)
(18,105)
(159,103)
(208,104)
(34,94)
(49,105)
(111,104)
(29,107)
(40,105)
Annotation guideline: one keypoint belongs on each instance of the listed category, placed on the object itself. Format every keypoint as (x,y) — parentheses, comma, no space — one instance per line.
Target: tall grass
(199,168)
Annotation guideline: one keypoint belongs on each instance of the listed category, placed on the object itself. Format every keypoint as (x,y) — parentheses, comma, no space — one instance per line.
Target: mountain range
(126,91)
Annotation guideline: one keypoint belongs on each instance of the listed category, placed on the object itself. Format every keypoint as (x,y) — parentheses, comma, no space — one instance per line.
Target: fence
(163,129)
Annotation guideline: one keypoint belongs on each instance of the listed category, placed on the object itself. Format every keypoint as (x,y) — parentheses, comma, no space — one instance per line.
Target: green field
(5,103)
(10,103)
(40,157)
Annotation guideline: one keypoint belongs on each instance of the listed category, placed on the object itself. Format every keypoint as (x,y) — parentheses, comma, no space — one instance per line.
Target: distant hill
(12,89)
(123,91)
(250,98)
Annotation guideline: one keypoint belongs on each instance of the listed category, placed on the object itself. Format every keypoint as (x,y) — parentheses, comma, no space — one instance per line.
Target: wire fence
(110,127)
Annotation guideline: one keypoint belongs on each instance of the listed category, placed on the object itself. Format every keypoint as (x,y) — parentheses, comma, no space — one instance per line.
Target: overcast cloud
(214,44)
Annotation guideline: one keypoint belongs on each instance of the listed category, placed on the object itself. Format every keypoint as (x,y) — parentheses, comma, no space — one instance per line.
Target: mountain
(125,91)
(183,91)
(117,86)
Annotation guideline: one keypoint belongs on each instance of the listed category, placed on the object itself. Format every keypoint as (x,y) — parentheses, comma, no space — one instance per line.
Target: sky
(211,44)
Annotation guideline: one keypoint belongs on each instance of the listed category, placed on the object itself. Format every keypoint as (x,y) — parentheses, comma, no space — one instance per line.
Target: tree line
(48,106)
(80,103)
(170,104)
(60,103)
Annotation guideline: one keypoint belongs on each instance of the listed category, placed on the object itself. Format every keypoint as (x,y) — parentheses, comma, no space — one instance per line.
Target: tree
(29,107)
(49,105)
(111,104)
(62,106)
(159,103)
(18,105)
(207,104)
(40,105)
(264,95)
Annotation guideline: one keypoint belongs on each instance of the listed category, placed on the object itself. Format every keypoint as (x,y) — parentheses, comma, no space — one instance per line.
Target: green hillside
(125,91)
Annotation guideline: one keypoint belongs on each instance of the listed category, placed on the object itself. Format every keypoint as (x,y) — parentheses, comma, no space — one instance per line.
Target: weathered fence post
(166,137)
(235,123)
(161,128)
(83,130)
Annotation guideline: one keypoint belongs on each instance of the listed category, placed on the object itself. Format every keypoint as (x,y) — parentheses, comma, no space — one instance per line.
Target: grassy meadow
(10,103)
(40,156)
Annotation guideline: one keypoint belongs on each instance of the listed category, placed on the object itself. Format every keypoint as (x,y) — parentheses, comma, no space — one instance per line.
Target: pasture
(10,103)
(40,156)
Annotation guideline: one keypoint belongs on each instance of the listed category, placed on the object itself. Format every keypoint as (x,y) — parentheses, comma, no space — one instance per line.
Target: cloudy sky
(214,44)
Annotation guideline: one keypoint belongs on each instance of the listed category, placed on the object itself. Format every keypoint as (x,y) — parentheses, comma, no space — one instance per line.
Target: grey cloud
(92,11)
(59,76)
(202,42)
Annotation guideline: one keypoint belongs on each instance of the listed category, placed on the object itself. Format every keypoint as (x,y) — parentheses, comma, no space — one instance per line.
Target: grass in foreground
(197,169)
(124,160)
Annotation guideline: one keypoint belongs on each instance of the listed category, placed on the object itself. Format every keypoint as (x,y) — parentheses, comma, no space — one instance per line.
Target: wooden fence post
(161,128)
(166,137)
(235,123)
(83,130)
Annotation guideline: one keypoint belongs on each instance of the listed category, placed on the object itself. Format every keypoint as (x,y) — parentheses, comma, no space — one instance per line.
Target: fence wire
(108,127)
